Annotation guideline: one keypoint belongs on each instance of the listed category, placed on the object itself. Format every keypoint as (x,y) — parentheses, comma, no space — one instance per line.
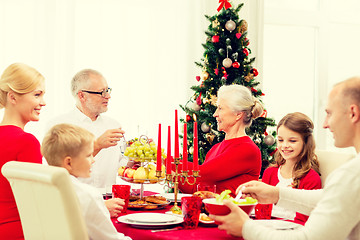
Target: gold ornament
(243,26)
(215,23)
(205,75)
(206,61)
(210,137)
(249,77)
(213,100)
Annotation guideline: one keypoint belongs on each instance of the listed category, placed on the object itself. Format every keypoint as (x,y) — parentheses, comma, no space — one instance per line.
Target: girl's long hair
(302,124)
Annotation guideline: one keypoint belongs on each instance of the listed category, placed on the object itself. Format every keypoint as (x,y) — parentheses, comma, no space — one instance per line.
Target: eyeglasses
(102,93)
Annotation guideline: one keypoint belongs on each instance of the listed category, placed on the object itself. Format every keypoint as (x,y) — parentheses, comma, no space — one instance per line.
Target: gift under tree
(225,61)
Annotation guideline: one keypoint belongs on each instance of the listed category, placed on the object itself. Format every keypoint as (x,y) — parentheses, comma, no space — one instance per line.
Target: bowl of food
(215,206)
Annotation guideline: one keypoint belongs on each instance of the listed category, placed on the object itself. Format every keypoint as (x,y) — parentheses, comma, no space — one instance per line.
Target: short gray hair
(81,80)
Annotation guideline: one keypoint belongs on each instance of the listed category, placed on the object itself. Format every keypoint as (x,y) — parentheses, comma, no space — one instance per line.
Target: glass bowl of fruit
(142,149)
(141,167)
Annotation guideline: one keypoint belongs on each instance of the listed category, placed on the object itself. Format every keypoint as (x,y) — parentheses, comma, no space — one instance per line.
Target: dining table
(173,232)
(203,231)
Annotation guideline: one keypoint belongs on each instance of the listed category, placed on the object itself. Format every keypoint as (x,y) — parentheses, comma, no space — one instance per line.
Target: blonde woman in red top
(22,90)
(236,159)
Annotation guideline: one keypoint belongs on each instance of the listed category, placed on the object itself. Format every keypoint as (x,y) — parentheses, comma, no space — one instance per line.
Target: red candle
(176,142)
(185,152)
(158,159)
(168,157)
(196,150)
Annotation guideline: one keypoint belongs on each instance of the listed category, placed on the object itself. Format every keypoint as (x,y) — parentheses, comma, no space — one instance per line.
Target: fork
(238,196)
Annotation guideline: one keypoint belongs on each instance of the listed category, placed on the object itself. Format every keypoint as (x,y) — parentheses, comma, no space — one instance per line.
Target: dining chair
(330,160)
(46,200)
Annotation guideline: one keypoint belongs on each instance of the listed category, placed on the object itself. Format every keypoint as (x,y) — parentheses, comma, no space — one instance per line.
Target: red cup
(191,207)
(263,211)
(123,192)
(206,187)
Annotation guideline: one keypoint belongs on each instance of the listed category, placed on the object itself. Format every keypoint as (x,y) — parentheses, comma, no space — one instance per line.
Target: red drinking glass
(191,207)
(123,192)
(263,211)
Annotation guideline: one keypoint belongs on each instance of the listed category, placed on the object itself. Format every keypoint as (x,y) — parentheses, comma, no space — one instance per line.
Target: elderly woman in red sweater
(236,159)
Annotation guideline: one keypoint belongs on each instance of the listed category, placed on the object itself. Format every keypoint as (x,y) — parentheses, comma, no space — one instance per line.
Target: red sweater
(19,146)
(228,164)
(310,181)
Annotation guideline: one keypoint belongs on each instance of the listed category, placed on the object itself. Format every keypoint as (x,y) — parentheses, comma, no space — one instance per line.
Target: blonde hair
(302,124)
(20,78)
(240,99)
(64,140)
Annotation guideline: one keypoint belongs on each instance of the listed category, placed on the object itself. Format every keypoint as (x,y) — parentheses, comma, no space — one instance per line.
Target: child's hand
(114,205)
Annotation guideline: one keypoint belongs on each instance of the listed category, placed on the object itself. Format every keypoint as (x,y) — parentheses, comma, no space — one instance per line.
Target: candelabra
(177,177)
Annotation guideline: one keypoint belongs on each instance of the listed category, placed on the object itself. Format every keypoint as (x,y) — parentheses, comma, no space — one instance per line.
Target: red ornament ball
(188,118)
(215,39)
(245,51)
(236,64)
(255,72)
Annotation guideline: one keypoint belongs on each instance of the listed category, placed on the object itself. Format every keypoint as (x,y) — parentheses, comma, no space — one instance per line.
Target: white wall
(308,46)
(145,49)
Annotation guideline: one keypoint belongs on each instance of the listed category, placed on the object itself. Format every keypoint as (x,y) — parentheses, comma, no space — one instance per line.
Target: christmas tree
(226,61)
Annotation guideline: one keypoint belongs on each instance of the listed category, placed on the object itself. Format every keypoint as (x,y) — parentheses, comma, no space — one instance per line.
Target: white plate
(209,222)
(150,220)
(171,196)
(278,224)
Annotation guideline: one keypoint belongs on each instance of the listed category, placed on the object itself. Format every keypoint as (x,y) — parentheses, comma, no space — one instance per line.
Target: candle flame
(194,117)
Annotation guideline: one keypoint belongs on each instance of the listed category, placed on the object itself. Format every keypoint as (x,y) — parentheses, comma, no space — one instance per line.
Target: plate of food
(206,220)
(171,196)
(148,202)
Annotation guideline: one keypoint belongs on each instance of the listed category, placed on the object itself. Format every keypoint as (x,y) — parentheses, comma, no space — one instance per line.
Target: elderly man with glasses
(92,95)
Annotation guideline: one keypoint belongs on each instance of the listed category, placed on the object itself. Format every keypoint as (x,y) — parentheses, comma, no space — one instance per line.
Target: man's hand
(108,139)
(114,205)
(264,193)
(234,221)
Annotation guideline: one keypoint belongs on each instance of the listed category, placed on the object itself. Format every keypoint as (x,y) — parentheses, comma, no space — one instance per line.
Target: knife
(168,229)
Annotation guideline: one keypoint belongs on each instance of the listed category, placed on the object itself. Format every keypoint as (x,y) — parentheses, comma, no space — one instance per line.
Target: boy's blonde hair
(64,140)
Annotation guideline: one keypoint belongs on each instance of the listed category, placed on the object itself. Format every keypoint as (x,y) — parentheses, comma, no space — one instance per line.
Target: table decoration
(180,175)
(141,169)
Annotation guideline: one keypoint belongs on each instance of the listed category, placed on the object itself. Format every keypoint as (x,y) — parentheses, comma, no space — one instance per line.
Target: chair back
(46,200)
(330,160)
